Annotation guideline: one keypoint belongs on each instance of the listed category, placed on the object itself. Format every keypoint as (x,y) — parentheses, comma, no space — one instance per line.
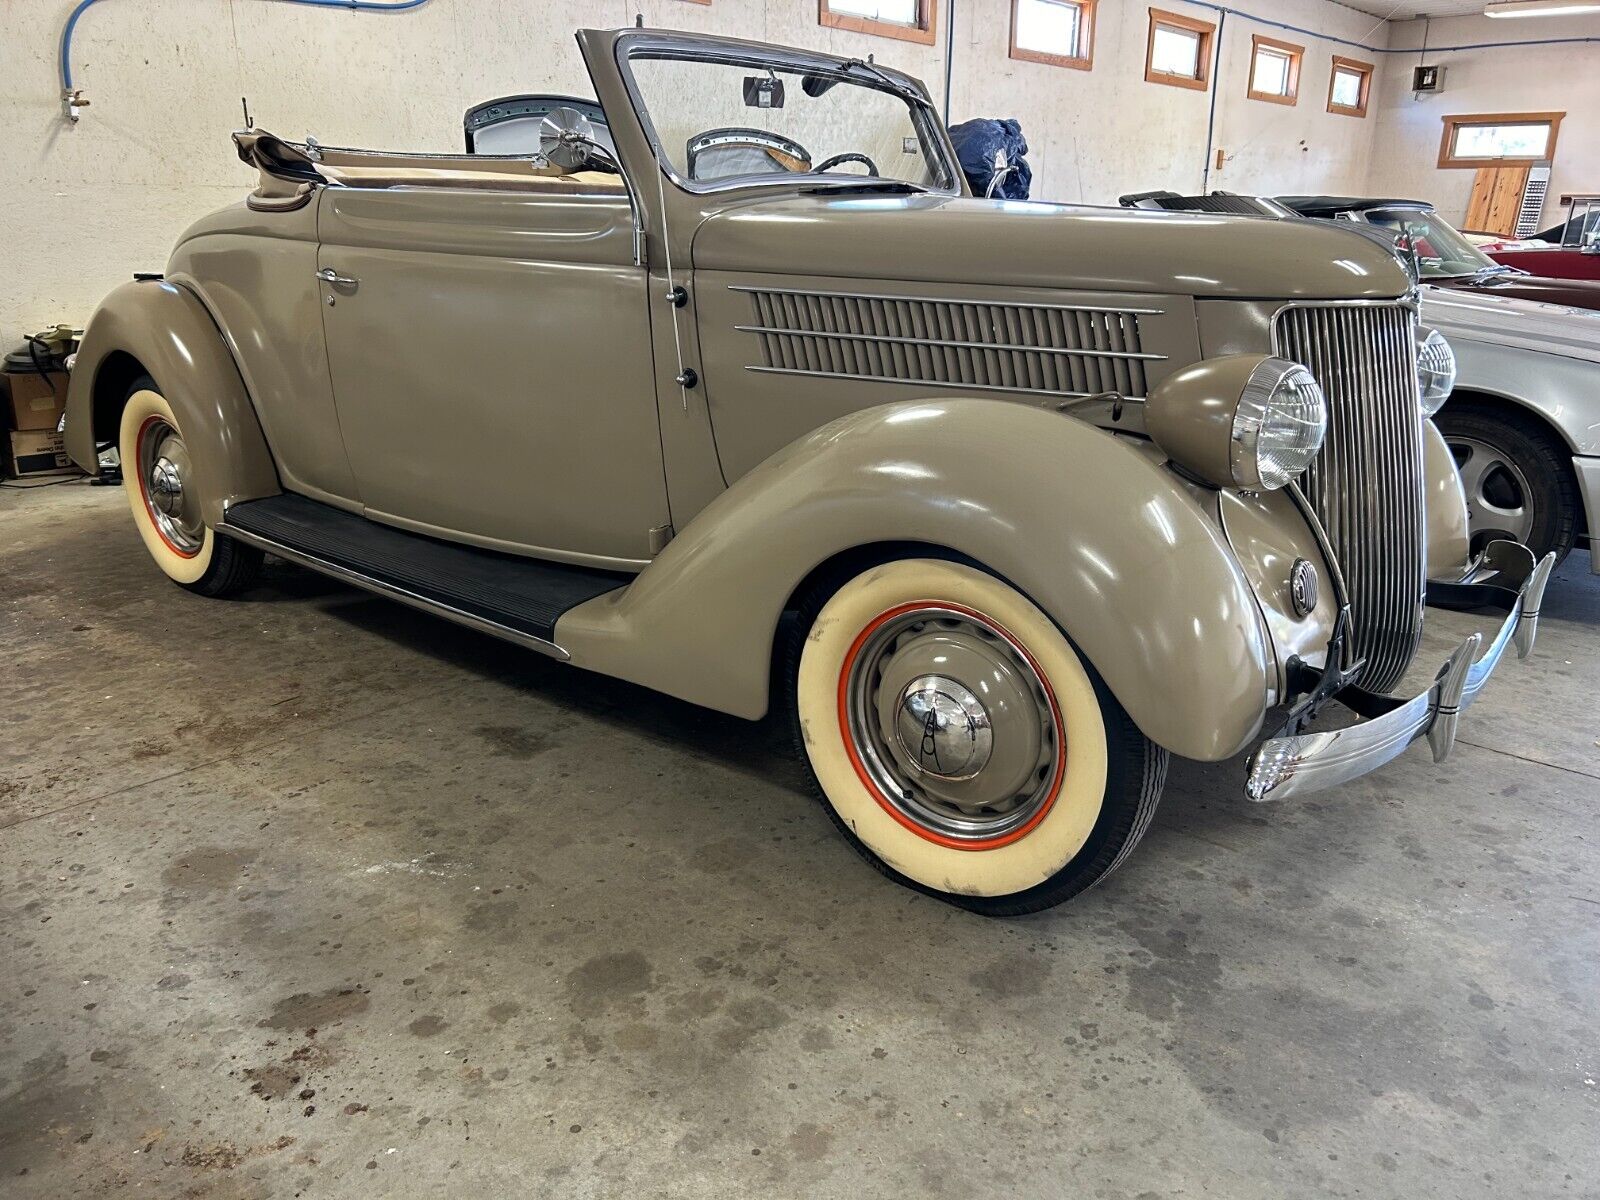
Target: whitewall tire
(157,476)
(962,744)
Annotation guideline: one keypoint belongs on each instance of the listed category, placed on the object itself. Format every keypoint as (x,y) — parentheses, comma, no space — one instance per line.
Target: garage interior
(311,894)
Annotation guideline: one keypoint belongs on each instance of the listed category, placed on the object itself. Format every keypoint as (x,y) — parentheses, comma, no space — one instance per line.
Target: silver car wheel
(164,473)
(953,724)
(1499,497)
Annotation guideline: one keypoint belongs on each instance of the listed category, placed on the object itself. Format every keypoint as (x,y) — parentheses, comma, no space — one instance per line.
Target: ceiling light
(1541,8)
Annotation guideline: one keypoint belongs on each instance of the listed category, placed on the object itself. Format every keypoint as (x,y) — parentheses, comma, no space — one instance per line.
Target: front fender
(160,328)
(1102,538)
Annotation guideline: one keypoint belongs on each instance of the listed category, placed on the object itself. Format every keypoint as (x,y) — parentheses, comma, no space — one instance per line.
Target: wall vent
(1530,214)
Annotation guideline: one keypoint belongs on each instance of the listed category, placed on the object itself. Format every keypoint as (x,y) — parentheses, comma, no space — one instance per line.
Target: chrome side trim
(942,343)
(939,383)
(394,592)
(1084,308)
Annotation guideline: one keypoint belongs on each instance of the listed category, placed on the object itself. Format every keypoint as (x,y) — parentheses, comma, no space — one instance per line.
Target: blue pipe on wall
(354,5)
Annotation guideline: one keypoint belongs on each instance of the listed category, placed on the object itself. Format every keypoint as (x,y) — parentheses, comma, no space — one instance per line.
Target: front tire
(962,745)
(1515,476)
(158,479)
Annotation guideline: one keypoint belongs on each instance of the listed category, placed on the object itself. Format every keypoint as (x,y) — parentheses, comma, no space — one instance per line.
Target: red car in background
(1570,250)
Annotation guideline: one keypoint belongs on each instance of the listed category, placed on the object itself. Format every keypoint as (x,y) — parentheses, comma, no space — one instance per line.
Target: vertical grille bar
(1366,486)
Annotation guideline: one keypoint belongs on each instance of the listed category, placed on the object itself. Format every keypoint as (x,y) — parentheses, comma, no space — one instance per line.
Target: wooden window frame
(1447,155)
(1296,56)
(924,33)
(1083,62)
(1353,66)
(1208,37)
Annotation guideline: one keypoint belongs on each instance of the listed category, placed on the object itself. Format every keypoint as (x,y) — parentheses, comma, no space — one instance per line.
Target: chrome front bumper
(1293,762)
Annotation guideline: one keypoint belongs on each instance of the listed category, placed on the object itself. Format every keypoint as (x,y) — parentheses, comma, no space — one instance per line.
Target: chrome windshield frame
(687,47)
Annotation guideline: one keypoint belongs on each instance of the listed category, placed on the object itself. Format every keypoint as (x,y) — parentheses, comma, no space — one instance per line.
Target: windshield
(720,119)
(1441,250)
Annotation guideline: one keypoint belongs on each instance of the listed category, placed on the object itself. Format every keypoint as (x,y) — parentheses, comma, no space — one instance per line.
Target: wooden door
(1496,199)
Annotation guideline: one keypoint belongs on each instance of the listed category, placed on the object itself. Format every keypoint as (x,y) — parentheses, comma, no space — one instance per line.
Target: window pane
(1271,72)
(1502,141)
(1346,88)
(1175,52)
(900,12)
(1050,27)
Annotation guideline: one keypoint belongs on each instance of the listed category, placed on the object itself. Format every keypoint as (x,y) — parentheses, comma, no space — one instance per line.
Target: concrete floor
(307,893)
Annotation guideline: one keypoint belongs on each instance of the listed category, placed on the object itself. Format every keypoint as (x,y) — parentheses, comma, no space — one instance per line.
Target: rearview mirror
(566,139)
(763,92)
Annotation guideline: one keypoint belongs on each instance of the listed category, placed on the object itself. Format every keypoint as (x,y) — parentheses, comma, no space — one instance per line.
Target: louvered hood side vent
(1043,348)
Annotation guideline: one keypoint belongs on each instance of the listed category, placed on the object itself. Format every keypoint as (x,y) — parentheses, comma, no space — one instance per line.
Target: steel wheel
(960,742)
(1499,496)
(158,472)
(163,469)
(953,725)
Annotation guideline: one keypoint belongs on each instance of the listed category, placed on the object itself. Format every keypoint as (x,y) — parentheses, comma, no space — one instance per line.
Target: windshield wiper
(889,81)
(1490,271)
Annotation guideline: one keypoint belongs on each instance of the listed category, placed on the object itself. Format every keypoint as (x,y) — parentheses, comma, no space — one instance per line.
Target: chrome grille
(1047,348)
(1366,485)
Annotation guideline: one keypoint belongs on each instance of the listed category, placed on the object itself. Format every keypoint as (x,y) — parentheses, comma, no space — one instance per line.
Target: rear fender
(158,328)
(1100,536)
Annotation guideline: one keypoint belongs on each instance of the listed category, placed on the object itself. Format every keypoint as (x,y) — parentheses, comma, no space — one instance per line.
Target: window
(1499,139)
(1059,32)
(1179,50)
(909,20)
(1275,70)
(1349,87)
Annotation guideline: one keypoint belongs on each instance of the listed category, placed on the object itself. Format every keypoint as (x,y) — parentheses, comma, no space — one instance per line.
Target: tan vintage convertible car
(1045,494)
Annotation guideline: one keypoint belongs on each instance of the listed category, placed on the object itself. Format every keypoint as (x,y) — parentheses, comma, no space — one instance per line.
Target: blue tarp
(980,144)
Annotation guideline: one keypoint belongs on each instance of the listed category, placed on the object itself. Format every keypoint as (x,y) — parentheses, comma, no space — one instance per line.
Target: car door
(492,367)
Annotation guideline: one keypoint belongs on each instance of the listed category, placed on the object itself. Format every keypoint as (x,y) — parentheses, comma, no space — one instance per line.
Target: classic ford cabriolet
(747,401)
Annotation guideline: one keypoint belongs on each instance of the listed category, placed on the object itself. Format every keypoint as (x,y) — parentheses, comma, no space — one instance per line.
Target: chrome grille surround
(1366,486)
(1049,349)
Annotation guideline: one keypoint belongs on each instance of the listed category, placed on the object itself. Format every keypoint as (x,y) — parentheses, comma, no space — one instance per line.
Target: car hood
(1575,293)
(957,239)
(1508,321)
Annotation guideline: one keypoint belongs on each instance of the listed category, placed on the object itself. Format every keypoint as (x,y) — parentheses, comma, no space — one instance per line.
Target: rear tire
(1003,805)
(1516,476)
(157,479)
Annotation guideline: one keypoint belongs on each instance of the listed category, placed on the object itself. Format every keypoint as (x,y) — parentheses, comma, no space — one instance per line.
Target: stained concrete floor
(306,894)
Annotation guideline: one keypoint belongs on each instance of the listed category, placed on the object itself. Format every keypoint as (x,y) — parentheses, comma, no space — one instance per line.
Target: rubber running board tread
(524,594)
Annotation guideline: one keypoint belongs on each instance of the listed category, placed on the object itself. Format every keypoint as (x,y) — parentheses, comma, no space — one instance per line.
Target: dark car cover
(987,148)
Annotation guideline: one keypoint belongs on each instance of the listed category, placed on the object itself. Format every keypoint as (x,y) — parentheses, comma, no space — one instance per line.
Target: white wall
(1095,135)
(1521,79)
(89,204)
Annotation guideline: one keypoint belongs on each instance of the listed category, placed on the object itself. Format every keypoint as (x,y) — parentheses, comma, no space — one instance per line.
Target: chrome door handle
(329,275)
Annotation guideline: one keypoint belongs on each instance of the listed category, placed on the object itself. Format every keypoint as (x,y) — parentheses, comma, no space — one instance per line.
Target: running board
(511,597)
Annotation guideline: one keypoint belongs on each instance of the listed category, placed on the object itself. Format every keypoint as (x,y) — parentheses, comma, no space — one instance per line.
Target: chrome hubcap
(952,725)
(943,730)
(1499,498)
(163,469)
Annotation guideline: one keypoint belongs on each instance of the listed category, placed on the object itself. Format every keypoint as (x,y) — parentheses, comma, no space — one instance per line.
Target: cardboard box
(32,403)
(37,452)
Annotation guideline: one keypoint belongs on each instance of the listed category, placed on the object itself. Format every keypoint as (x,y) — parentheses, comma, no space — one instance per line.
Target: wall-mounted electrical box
(1427,79)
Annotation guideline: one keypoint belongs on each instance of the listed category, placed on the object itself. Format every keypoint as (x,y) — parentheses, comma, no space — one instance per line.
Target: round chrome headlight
(1239,420)
(1278,427)
(1436,370)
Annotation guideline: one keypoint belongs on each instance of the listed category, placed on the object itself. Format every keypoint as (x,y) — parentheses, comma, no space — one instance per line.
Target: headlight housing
(1279,425)
(1436,370)
(1240,421)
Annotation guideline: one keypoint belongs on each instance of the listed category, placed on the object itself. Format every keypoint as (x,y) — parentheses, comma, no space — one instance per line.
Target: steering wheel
(828,164)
